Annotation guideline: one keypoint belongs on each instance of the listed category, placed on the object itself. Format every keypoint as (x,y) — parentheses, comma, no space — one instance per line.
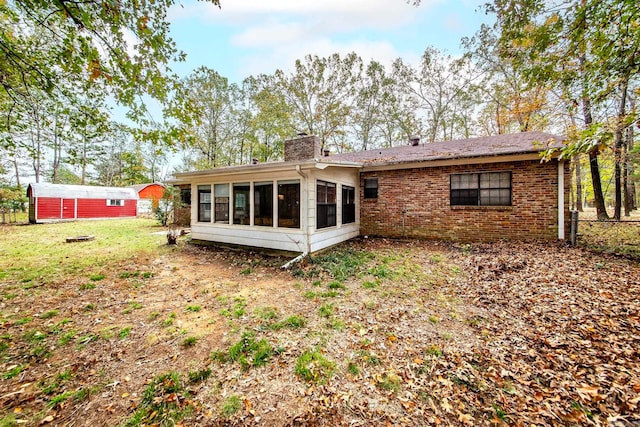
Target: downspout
(305,217)
(560,200)
(307,245)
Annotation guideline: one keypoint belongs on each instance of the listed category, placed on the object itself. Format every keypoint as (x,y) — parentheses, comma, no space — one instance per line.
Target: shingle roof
(486,146)
(81,191)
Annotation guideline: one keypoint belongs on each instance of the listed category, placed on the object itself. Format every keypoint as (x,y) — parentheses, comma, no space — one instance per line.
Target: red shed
(55,202)
(150,195)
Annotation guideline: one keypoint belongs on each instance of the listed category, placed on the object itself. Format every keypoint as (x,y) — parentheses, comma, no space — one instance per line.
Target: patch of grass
(389,381)
(266,313)
(13,372)
(57,400)
(34,336)
(49,314)
(328,294)
(622,238)
(10,295)
(164,402)
(312,366)
(169,320)
(230,406)
(193,308)
(8,420)
(309,294)
(337,324)
(24,320)
(341,263)
(189,341)
(89,307)
(129,274)
(135,305)
(353,368)
(87,286)
(381,271)
(124,332)
(66,337)
(249,352)
(97,277)
(326,310)
(153,315)
(369,285)
(369,358)
(434,319)
(246,271)
(337,285)
(293,322)
(86,339)
(433,350)
(199,376)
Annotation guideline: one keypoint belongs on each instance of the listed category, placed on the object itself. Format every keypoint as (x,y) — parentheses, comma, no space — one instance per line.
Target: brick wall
(302,148)
(424,195)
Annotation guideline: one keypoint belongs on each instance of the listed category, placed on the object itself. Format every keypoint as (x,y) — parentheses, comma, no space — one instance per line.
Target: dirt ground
(412,333)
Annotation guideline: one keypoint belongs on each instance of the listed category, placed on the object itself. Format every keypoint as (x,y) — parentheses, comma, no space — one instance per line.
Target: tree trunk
(579,203)
(598,194)
(618,141)
(630,203)
(17,171)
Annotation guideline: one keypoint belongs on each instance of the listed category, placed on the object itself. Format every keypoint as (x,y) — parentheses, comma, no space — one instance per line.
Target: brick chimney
(303,147)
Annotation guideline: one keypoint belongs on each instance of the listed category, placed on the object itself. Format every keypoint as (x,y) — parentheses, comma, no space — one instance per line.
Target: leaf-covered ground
(373,332)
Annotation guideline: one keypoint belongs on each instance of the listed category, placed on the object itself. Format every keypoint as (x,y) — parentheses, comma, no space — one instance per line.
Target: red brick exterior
(302,148)
(423,194)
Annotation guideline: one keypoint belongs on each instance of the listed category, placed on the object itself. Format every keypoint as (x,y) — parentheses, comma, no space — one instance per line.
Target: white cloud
(339,14)
(284,56)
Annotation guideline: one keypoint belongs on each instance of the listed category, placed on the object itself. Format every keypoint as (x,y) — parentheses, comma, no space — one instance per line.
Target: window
(348,204)
(263,204)
(289,204)
(481,189)
(221,203)
(204,203)
(325,204)
(115,202)
(185,196)
(241,206)
(371,188)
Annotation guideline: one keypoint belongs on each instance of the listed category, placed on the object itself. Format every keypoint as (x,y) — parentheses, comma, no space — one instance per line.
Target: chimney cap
(414,140)
(302,134)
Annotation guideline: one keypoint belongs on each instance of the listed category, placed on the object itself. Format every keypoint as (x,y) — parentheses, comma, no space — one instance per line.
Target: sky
(250,37)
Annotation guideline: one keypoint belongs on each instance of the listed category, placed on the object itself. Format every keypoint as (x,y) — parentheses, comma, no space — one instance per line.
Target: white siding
(307,238)
(282,239)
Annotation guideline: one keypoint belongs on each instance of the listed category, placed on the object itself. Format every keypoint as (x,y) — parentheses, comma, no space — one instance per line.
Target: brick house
(484,188)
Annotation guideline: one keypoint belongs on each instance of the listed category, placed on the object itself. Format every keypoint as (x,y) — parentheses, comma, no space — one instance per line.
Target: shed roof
(80,191)
(486,146)
(140,187)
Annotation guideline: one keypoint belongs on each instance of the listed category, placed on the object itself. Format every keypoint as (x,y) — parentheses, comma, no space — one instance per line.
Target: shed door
(68,208)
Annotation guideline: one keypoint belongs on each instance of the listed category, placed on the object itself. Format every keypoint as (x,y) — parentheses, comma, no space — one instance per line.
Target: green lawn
(39,253)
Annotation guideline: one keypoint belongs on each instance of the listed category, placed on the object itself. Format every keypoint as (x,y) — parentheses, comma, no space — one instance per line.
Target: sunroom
(294,206)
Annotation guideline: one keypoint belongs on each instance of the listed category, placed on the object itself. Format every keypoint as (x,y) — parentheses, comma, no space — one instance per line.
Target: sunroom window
(325,204)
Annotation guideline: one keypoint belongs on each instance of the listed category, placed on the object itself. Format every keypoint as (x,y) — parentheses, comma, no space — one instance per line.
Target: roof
(275,166)
(524,143)
(140,187)
(486,146)
(80,191)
